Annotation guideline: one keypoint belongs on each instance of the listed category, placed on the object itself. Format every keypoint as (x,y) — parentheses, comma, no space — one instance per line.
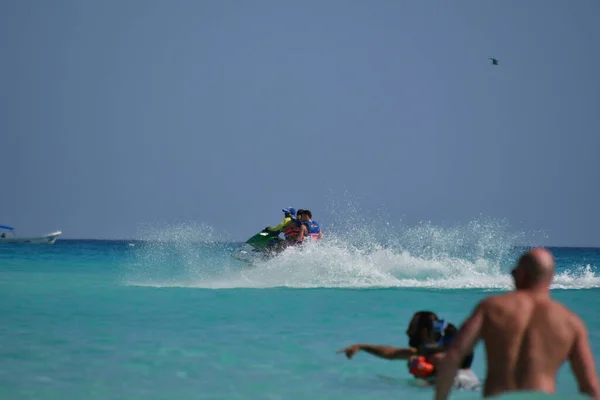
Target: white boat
(50,238)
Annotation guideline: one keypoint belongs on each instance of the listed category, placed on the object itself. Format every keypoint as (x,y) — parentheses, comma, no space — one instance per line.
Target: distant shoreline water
(523,246)
(100,319)
(171,313)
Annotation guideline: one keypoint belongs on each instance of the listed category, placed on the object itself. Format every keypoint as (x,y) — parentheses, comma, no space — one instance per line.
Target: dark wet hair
(307,212)
(451,330)
(421,320)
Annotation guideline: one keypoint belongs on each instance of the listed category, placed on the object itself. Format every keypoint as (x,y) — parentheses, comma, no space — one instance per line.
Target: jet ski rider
(292,230)
(289,219)
(296,227)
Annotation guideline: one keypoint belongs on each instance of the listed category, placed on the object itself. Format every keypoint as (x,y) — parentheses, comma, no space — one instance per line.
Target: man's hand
(350,351)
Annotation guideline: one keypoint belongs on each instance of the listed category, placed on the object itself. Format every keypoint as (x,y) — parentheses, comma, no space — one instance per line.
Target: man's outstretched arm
(463,344)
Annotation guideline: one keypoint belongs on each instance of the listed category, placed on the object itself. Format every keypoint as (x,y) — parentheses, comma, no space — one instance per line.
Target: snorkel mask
(438,334)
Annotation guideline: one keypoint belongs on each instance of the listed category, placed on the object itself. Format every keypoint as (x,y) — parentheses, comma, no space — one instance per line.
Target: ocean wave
(477,255)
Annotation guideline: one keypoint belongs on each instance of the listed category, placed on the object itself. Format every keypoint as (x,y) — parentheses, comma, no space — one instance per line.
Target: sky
(119,114)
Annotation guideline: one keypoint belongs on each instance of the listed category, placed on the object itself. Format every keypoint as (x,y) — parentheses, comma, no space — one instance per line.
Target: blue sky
(121,113)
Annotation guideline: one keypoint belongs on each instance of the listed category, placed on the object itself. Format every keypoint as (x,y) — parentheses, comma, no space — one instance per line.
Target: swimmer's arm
(582,363)
(386,352)
(389,352)
(463,344)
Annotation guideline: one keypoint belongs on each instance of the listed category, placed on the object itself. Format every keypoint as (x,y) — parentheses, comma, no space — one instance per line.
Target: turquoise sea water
(179,318)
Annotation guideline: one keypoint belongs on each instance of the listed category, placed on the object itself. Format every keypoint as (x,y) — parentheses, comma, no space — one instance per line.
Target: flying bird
(494,61)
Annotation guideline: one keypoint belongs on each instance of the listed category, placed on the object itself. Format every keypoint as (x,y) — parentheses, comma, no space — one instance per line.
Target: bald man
(527,337)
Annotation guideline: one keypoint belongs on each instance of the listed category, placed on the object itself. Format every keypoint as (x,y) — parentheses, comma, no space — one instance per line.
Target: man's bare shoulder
(508,301)
(572,318)
(549,305)
(500,300)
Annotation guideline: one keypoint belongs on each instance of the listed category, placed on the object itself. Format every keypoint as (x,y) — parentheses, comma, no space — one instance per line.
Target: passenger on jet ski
(309,229)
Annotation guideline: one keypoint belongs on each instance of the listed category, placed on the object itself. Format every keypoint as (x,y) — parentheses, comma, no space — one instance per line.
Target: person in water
(309,229)
(429,338)
(527,337)
(417,333)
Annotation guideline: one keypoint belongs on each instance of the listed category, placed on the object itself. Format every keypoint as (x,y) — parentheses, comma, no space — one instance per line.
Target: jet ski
(259,247)
(264,240)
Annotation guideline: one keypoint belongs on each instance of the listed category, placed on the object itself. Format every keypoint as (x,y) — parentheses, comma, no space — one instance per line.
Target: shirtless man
(527,337)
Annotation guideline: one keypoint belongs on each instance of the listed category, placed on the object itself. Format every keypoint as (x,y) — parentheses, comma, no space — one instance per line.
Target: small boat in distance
(44,239)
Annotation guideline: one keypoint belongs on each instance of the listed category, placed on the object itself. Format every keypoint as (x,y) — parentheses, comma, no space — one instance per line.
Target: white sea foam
(332,264)
(476,255)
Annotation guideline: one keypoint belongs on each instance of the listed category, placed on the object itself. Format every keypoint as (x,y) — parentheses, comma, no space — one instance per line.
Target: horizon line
(229,241)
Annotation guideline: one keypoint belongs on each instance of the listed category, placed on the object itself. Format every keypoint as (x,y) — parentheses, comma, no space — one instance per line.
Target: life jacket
(292,231)
(313,229)
(421,368)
